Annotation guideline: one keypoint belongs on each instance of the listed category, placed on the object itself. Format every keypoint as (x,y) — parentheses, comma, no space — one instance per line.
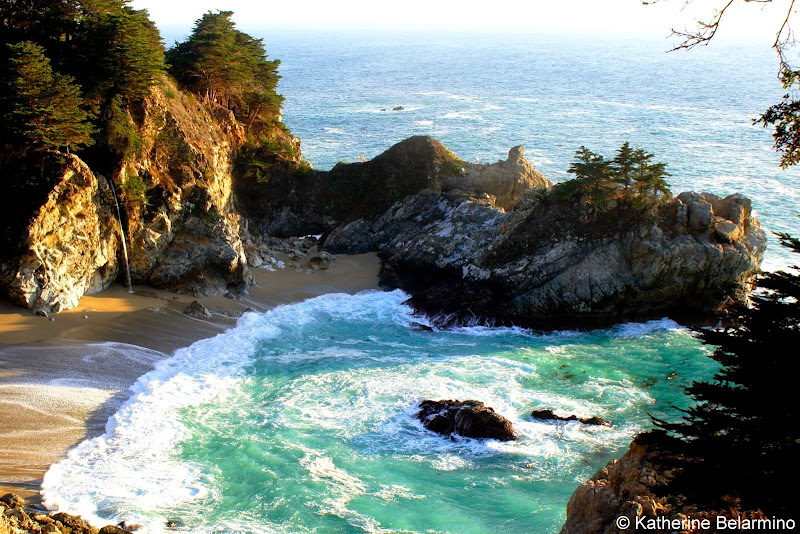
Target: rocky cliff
(560,263)
(317,202)
(70,247)
(184,232)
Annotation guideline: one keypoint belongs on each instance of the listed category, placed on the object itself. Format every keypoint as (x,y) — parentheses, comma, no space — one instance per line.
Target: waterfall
(122,233)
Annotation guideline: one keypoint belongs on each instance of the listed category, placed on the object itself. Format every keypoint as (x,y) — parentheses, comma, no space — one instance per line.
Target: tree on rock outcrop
(740,443)
(631,173)
(650,177)
(230,68)
(40,108)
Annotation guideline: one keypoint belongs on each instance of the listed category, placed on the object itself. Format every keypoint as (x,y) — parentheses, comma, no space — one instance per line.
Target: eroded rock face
(186,237)
(506,180)
(70,247)
(468,418)
(184,233)
(623,488)
(635,487)
(563,264)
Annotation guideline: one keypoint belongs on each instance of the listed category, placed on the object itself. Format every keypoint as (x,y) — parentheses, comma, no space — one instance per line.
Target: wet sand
(62,376)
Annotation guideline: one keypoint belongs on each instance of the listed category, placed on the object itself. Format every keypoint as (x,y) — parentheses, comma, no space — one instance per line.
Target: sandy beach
(62,376)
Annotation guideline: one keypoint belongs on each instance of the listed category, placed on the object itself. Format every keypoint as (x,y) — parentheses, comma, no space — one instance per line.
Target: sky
(745,19)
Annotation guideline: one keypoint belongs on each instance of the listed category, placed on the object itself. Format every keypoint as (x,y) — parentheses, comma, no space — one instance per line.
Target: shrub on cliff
(740,444)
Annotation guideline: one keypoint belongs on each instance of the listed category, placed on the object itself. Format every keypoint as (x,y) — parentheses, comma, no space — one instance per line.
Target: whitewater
(302,419)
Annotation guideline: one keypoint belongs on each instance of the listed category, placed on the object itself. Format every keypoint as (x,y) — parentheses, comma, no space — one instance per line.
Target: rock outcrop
(468,241)
(562,263)
(631,488)
(69,248)
(184,232)
(623,488)
(468,418)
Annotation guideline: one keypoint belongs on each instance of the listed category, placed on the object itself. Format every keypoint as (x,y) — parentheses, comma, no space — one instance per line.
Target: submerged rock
(549,415)
(468,418)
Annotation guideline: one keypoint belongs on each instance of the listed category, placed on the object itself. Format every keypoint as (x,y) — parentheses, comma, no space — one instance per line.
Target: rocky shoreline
(16,517)
(627,492)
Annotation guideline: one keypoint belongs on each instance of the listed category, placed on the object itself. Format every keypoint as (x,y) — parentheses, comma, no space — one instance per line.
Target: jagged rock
(188,239)
(549,415)
(184,234)
(72,522)
(323,260)
(505,180)
(197,310)
(69,248)
(468,418)
(13,500)
(16,519)
(622,488)
(564,263)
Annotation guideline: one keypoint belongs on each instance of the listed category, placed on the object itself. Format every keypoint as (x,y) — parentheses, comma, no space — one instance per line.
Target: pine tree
(785,116)
(623,165)
(593,172)
(40,108)
(742,440)
(128,52)
(230,68)
(650,178)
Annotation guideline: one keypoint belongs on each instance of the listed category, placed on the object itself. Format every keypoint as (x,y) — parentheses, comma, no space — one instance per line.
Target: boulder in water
(470,418)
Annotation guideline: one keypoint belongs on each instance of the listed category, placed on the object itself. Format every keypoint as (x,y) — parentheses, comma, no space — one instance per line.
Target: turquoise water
(301,419)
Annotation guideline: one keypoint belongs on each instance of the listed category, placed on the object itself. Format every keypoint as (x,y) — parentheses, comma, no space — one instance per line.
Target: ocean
(302,419)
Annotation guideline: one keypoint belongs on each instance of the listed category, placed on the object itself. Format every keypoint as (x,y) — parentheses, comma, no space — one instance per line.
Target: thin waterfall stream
(124,242)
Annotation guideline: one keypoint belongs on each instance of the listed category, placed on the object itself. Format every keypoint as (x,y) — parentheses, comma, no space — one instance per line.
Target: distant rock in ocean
(470,418)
